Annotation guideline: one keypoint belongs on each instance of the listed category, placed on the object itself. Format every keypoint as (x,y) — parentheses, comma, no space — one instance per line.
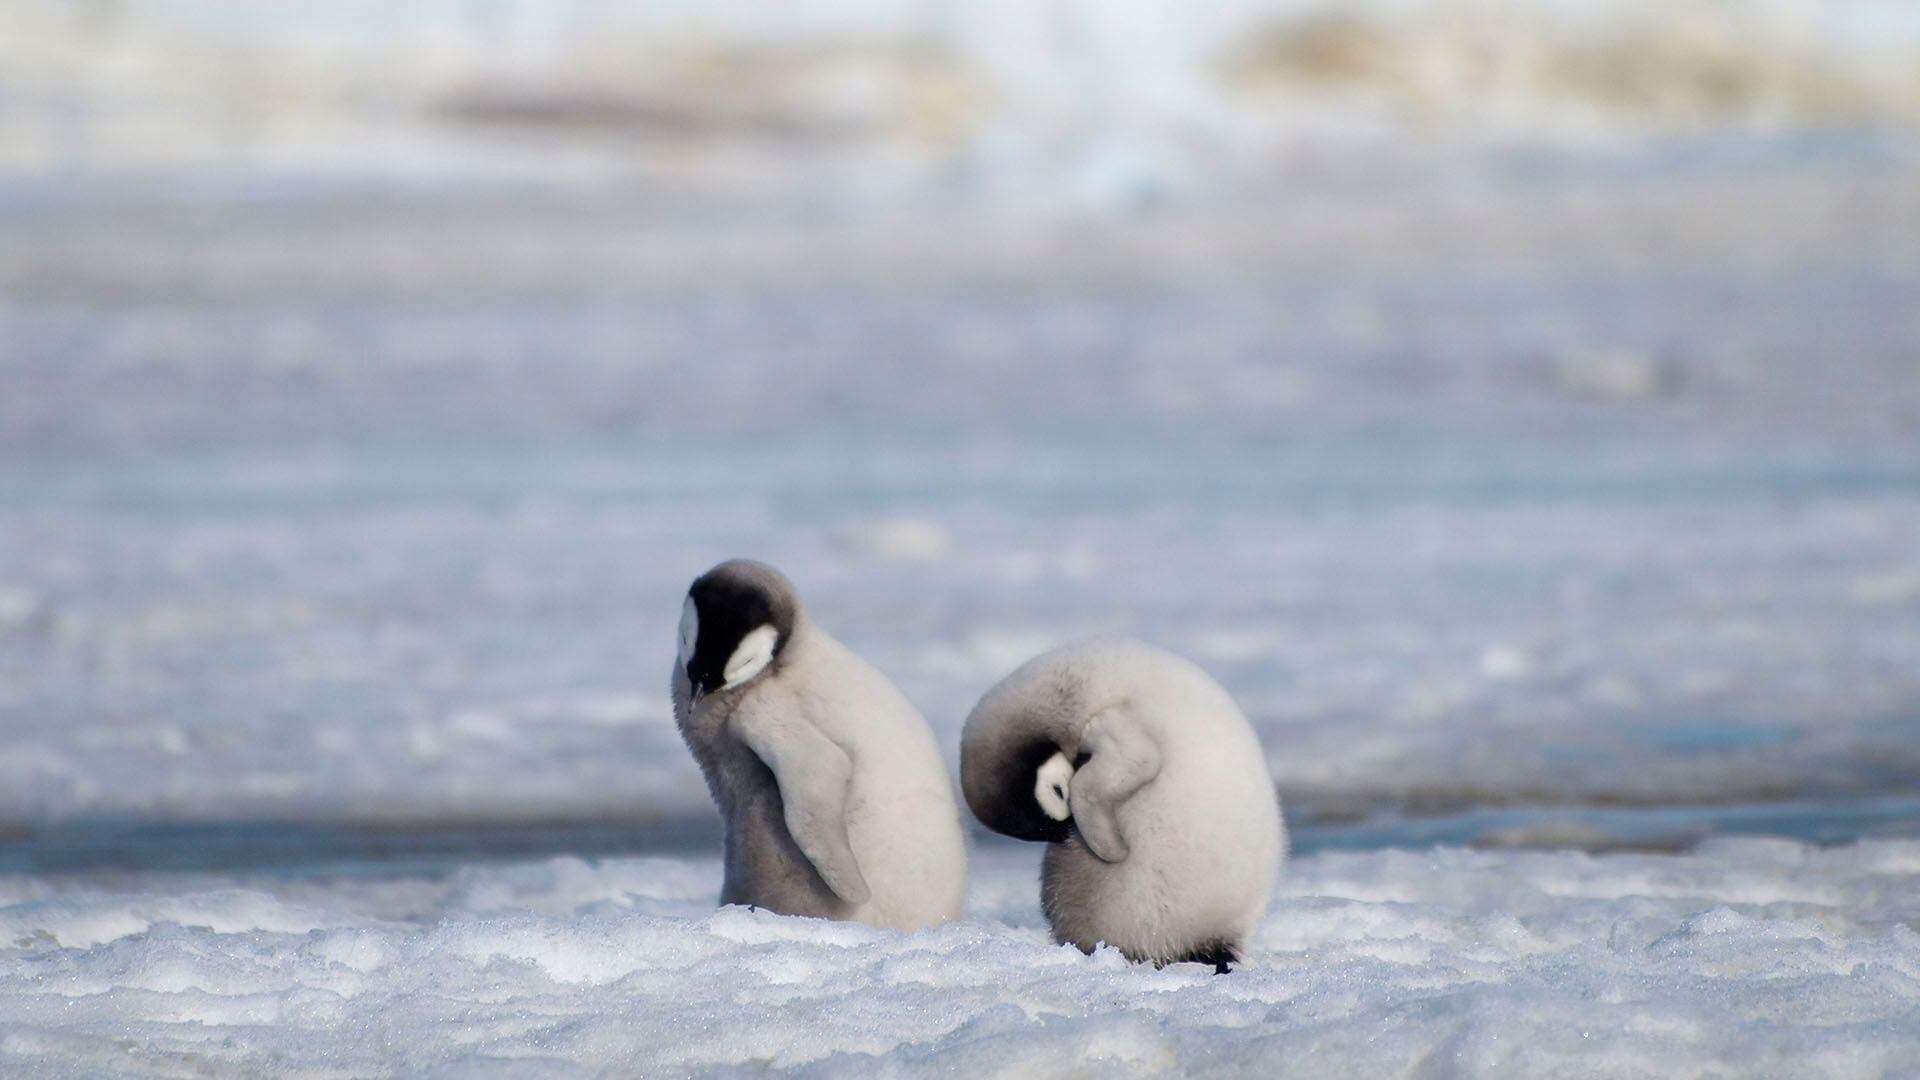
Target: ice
(425,568)
(1495,477)
(1747,956)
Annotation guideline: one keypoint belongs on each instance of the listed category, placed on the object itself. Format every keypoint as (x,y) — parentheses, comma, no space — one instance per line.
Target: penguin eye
(689,630)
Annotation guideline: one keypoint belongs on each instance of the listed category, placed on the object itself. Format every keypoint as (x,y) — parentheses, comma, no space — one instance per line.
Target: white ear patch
(689,630)
(751,656)
(1051,785)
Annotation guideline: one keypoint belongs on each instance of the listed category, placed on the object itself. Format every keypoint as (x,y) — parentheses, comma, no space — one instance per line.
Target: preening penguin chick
(1151,790)
(835,798)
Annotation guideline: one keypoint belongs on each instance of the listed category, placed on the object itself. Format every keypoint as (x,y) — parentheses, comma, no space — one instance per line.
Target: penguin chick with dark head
(1148,786)
(835,799)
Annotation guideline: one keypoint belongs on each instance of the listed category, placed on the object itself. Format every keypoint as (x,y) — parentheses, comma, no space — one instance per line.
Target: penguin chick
(1148,786)
(834,796)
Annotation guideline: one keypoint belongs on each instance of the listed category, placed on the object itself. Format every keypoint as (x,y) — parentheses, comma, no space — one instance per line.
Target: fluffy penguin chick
(1150,788)
(835,798)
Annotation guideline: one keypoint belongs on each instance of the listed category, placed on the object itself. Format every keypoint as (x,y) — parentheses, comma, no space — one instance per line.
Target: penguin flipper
(813,774)
(1121,759)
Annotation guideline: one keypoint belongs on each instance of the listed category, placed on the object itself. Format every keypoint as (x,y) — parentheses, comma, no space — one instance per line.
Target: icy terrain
(1519,509)
(1745,957)
(1491,486)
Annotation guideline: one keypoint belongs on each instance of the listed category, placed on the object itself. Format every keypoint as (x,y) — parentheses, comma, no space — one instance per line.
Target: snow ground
(1747,956)
(1490,488)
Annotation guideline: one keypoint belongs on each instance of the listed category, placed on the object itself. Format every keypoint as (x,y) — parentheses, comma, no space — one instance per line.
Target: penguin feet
(1218,953)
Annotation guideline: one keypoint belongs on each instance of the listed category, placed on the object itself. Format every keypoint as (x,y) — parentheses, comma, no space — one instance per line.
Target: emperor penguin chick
(1163,831)
(834,795)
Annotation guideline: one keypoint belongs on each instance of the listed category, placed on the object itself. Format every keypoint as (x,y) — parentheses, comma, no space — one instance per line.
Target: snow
(1527,500)
(1746,956)
(1067,106)
(309,554)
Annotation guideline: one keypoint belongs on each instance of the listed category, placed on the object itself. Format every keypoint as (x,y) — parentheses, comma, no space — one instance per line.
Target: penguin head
(1022,788)
(737,619)
(1051,787)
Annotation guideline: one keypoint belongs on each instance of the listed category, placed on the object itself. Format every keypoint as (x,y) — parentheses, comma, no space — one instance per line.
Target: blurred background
(1515,404)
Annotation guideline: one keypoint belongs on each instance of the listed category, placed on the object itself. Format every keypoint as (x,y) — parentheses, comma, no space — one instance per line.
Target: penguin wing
(813,774)
(1123,757)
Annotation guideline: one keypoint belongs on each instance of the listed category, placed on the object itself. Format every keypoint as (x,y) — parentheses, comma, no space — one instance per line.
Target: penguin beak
(697,689)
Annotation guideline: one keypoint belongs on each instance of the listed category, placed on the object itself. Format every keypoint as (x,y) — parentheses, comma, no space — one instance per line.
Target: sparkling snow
(1746,956)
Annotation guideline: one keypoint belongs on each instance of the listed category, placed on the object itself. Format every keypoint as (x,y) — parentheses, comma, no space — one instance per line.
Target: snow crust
(1747,956)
